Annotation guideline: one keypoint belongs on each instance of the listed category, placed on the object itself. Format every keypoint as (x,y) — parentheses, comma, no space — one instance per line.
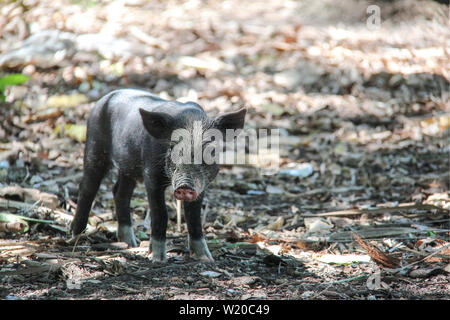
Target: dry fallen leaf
(378,256)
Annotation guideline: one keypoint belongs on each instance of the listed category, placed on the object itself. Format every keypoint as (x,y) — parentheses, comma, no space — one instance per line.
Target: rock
(256,192)
(45,49)
(210,274)
(50,48)
(317,225)
(307,294)
(4,164)
(274,190)
(234,219)
(301,170)
(447,268)
(425,273)
(396,80)
(288,79)
(244,280)
(277,224)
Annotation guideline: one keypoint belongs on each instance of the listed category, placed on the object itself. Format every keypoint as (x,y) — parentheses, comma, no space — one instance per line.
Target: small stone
(210,274)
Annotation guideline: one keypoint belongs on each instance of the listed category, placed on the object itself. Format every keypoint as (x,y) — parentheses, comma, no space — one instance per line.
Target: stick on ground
(179,202)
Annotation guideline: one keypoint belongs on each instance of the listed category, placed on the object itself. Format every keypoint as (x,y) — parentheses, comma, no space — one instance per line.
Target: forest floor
(363,212)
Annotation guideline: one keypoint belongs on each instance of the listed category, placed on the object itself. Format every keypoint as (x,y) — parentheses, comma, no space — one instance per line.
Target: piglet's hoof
(158,259)
(158,250)
(199,250)
(204,258)
(126,234)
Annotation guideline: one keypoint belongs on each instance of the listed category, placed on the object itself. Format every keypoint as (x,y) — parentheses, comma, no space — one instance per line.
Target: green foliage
(86,3)
(12,218)
(11,80)
(431,234)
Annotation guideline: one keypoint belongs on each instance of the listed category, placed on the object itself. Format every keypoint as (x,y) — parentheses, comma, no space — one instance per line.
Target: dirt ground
(359,209)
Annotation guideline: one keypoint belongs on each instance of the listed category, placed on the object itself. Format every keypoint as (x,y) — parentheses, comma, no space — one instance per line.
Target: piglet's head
(193,143)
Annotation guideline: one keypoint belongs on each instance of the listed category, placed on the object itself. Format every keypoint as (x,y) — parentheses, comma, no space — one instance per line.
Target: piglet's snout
(185,194)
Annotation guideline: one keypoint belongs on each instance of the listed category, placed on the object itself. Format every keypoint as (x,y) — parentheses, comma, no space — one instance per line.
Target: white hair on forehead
(199,129)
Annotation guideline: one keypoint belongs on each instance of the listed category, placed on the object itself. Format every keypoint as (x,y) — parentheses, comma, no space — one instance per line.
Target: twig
(166,267)
(32,270)
(73,177)
(324,190)
(401,206)
(442,256)
(393,271)
(205,212)
(7,204)
(46,116)
(147,39)
(423,259)
(77,237)
(179,202)
(349,279)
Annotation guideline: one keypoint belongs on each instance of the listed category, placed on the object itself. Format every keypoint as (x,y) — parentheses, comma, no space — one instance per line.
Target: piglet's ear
(232,120)
(157,124)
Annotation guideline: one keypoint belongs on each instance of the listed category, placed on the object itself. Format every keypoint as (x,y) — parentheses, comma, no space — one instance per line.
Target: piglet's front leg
(197,243)
(158,214)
